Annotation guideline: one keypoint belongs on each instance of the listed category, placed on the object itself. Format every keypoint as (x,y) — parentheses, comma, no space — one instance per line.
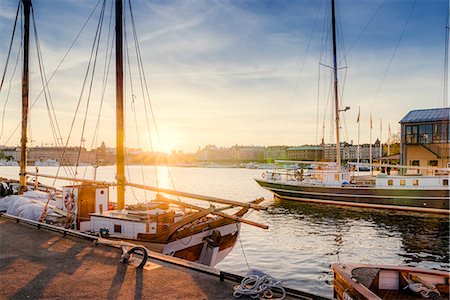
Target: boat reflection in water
(423,239)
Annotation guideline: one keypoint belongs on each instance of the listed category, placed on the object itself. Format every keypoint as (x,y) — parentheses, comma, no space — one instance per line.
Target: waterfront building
(65,156)
(425,138)
(307,152)
(11,152)
(272,153)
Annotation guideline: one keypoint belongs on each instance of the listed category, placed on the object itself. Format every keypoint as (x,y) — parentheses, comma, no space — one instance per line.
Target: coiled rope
(259,285)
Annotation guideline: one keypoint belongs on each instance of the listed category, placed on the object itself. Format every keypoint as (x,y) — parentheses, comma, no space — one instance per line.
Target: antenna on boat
(336,94)
(25,95)
(120,149)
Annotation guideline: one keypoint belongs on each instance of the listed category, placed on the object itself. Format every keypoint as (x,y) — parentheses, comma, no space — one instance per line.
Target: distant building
(425,138)
(275,152)
(65,156)
(311,153)
(13,152)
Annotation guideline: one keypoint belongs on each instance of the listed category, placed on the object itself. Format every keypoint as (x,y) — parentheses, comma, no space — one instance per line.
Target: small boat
(359,281)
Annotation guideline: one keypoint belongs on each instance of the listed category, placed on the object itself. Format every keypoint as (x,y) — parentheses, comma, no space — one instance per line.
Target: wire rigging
(133,109)
(47,96)
(12,77)
(97,42)
(10,46)
(393,54)
(302,67)
(55,71)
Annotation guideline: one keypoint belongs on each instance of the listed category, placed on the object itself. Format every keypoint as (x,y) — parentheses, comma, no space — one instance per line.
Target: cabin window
(433,163)
(416,182)
(390,182)
(415,163)
(402,182)
(445,182)
(117,228)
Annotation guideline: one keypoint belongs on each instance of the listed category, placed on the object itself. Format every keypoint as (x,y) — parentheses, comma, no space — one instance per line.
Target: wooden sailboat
(358,281)
(173,227)
(331,184)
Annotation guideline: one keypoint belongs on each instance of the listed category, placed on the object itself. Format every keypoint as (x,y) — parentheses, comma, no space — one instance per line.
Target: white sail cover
(30,205)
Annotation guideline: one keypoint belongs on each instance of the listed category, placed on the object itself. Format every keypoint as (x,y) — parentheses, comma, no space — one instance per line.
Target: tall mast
(336,95)
(25,95)
(120,149)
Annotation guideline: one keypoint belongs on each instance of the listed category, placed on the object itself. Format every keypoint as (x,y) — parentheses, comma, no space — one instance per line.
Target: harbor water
(303,240)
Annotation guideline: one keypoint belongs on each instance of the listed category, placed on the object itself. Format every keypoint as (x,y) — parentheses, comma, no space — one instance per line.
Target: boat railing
(404,169)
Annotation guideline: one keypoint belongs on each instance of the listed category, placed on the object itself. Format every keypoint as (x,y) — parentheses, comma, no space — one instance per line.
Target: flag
(359,112)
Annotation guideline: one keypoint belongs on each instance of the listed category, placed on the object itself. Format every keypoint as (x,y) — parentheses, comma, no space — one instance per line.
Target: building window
(411,134)
(416,182)
(445,182)
(402,182)
(390,182)
(117,228)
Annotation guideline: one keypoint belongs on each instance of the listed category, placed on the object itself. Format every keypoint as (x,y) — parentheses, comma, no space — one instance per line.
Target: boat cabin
(415,181)
(82,200)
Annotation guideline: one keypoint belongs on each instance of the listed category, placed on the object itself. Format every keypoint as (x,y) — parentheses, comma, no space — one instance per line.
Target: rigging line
(109,49)
(393,54)
(9,89)
(317,104)
(133,107)
(54,72)
(362,32)
(88,100)
(302,67)
(46,89)
(142,82)
(81,96)
(447,31)
(142,72)
(10,45)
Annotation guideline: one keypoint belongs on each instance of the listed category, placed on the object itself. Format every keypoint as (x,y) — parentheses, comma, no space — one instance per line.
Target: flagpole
(381,144)
(359,127)
(389,140)
(370,146)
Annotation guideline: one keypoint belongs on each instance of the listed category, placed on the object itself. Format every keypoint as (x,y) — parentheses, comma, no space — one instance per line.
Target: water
(303,239)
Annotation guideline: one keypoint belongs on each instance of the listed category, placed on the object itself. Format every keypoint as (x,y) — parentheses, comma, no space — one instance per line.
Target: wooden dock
(39,262)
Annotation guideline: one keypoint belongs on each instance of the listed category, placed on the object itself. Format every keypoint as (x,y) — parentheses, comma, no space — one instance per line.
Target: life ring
(69,201)
(298,175)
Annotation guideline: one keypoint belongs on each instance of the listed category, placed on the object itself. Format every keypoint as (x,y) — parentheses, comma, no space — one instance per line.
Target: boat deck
(37,264)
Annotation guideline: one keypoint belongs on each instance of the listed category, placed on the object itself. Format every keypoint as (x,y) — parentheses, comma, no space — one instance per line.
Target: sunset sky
(231,72)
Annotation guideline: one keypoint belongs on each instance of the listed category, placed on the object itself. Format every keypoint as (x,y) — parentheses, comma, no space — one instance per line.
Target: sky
(248,72)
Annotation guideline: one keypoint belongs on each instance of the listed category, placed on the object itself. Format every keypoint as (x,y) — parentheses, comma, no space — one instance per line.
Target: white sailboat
(423,189)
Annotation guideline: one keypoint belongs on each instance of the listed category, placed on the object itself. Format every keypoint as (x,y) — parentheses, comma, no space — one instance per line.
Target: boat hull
(426,200)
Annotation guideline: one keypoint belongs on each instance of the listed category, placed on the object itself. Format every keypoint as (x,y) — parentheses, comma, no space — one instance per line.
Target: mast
(336,95)
(120,149)
(25,95)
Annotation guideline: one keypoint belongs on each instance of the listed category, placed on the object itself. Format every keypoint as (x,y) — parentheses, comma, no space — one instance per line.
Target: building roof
(304,148)
(426,115)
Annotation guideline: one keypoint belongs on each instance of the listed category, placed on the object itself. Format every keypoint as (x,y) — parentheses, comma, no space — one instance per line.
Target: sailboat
(331,184)
(173,227)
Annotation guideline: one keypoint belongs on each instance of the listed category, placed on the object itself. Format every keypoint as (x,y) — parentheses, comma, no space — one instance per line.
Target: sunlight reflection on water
(303,239)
